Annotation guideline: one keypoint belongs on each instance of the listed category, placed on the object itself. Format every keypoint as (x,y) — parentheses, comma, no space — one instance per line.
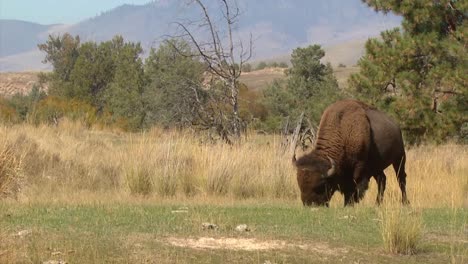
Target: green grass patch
(139,233)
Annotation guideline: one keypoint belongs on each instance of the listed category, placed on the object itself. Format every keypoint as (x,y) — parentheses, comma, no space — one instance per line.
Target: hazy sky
(58,11)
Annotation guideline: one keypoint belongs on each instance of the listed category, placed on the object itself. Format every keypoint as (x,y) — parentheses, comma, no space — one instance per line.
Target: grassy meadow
(88,196)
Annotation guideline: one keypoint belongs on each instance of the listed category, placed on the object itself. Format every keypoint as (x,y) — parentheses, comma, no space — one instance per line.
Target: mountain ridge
(278,26)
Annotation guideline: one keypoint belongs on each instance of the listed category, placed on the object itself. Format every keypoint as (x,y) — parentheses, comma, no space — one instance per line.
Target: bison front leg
(358,185)
(349,198)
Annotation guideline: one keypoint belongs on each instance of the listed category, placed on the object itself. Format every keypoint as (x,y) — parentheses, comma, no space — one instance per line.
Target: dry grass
(70,160)
(401,230)
(10,171)
(260,79)
(436,178)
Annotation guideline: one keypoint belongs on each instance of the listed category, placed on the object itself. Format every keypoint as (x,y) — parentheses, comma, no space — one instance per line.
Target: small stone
(180,210)
(209,226)
(54,262)
(350,217)
(24,233)
(242,228)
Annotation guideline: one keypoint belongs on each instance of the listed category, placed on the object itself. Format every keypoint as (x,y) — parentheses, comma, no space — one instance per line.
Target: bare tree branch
(224,58)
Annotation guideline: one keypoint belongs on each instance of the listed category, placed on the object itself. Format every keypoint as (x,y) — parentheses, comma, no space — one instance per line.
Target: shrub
(262,65)
(247,67)
(401,230)
(8,114)
(52,109)
(274,64)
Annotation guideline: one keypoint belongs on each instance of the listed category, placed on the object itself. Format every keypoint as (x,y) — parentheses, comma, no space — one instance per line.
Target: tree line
(418,74)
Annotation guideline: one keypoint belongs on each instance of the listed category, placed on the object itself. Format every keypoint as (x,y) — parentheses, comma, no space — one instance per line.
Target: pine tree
(124,96)
(419,73)
(174,80)
(310,87)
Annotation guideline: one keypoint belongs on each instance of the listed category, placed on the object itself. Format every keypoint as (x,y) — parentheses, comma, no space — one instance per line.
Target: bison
(354,143)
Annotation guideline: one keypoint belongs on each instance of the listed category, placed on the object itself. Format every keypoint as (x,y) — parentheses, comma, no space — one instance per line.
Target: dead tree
(303,135)
(223,56)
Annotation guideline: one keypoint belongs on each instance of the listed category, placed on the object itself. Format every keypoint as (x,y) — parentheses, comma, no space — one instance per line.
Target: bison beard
(354,143)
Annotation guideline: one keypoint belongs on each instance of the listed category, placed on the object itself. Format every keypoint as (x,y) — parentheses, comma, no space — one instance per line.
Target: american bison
(354,143)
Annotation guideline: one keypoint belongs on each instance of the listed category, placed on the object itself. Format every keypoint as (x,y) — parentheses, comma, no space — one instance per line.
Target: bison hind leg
(400,172)
(381,179)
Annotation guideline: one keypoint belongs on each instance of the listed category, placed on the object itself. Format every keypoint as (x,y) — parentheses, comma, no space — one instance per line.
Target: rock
(179,210)
(242,228)
(24,233)
(209,226)
(350,217)
(54,262)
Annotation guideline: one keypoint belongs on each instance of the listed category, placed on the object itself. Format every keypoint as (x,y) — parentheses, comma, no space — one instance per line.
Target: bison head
(313,176)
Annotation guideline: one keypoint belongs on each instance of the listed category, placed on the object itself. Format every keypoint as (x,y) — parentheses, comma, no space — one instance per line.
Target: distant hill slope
(277,26)
(347,53)
(17,82)
(20,36)
(23,82)
(260,79)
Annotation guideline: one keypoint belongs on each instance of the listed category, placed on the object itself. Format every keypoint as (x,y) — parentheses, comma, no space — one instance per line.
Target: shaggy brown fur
(361,141)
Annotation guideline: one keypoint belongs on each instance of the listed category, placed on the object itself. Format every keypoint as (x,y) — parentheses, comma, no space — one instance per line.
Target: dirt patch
(250,244)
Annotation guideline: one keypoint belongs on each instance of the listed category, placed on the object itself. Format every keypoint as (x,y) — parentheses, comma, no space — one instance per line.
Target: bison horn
(294,159)
(332,169)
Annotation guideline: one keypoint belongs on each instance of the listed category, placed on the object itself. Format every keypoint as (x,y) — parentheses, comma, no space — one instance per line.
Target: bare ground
(251,244)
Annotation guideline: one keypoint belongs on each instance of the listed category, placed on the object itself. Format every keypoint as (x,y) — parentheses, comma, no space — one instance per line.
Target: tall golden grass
(73,162)
(10,171)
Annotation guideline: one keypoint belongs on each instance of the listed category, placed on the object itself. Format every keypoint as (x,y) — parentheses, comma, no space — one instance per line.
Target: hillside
(17,82)
(23,82)
(277,29)
(20,36)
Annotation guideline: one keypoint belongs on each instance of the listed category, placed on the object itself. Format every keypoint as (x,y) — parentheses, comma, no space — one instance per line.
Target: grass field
(87,196)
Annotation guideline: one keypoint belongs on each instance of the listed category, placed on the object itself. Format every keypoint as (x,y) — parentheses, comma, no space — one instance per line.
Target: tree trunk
(235,108)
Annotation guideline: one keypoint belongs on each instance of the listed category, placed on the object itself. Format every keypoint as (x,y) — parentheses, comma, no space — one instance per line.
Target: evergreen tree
(310,87)
(109,76)
(419,73)
(174,83)
(62,52)
(124,96)
(92,73)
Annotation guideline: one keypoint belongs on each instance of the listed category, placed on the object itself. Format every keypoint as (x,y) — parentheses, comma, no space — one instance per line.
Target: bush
(25,104)
(247,67)
(8,114)
(52,109)
(274,64)
(262,65)
(401,230)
